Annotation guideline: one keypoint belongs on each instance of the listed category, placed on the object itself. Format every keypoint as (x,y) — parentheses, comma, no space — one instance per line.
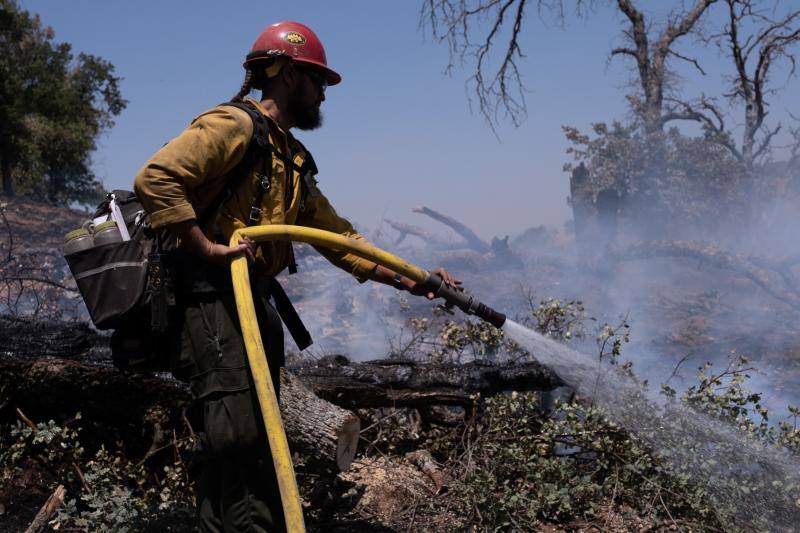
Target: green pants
(237,489)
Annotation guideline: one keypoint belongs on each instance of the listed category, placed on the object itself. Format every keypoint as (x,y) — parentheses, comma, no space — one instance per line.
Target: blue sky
(398,132)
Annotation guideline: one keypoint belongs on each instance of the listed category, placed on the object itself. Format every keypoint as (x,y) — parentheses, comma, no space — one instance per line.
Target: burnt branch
(766,141)
(689,60)
(625,51)
(473,31)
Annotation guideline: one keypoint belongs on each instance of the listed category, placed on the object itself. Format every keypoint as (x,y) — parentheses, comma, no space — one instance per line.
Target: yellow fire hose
(257,357)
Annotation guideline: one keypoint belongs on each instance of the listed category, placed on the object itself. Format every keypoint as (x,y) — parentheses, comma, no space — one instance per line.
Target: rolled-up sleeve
(204,152)
(320,214)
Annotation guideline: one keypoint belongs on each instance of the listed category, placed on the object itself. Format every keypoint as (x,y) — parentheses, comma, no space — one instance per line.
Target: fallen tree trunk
(771,277)
(407,229)
(58,386)
(467,234)
(324,434)
(388,382)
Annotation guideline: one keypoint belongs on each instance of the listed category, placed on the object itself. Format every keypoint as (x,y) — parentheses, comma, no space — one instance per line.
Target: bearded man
(238,165)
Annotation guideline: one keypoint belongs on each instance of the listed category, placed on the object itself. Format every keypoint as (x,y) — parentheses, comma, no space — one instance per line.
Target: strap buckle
(264,181)
(255,216)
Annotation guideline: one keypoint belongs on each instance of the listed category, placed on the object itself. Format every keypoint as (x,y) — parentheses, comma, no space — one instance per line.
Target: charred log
(324,434)
(414,384)
(58,388)
(36,339)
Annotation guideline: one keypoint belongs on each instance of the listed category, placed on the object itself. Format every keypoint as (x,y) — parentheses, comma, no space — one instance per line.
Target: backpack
(128,287)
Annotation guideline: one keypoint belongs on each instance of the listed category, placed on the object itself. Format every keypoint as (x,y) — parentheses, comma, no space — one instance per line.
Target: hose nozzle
(463,300)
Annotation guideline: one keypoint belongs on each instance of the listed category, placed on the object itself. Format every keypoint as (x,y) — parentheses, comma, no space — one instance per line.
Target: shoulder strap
(308,166)
(259,144)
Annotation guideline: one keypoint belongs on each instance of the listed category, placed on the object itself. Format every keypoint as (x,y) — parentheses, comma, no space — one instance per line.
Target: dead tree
(459,24)
(407,229)
(772,42)
(651,57)
(476,30)
(754,53)
(473,241)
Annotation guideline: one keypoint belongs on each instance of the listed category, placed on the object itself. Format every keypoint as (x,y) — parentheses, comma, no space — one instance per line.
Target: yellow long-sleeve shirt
(182,179)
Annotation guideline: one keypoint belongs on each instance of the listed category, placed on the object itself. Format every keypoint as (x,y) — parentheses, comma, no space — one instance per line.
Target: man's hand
(194,241)
(221,255)
(384,275)
(448,278)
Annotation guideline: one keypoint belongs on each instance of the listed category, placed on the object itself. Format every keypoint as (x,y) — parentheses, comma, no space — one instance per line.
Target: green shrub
(106,491)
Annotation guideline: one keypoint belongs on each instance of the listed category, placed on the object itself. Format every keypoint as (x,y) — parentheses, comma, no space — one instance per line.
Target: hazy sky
(398,133)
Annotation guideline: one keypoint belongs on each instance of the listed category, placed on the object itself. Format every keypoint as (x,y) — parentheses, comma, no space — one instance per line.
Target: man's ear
(290,76)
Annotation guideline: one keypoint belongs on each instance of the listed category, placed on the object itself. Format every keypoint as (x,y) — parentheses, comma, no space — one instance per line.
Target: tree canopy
(53,107)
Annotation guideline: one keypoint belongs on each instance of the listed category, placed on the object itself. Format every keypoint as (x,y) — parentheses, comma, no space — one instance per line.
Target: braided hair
(247,86)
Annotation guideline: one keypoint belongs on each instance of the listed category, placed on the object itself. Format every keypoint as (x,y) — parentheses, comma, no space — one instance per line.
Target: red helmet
(296,41)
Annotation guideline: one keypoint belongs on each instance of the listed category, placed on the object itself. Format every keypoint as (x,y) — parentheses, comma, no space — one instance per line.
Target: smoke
(343,316)
(683,309)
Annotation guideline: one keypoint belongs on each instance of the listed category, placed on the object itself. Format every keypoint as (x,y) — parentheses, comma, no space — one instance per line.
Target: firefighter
(179,186)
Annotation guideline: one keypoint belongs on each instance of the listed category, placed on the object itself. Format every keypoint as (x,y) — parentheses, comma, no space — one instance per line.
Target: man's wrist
(397,282)
(192,239)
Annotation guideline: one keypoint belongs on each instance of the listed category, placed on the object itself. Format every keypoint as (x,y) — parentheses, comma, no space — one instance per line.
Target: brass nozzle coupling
(463,300)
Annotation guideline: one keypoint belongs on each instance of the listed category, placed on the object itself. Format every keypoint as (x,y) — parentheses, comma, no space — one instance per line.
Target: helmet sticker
(294,37)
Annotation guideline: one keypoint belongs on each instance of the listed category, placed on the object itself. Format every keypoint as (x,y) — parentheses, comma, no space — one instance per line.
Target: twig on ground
(47,511)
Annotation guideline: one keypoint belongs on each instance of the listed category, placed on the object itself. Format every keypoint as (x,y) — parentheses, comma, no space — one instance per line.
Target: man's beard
(306,117)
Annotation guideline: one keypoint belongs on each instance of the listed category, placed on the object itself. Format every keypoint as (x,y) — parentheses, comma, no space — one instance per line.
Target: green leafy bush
(523,467)
(515,465)
(107,491)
